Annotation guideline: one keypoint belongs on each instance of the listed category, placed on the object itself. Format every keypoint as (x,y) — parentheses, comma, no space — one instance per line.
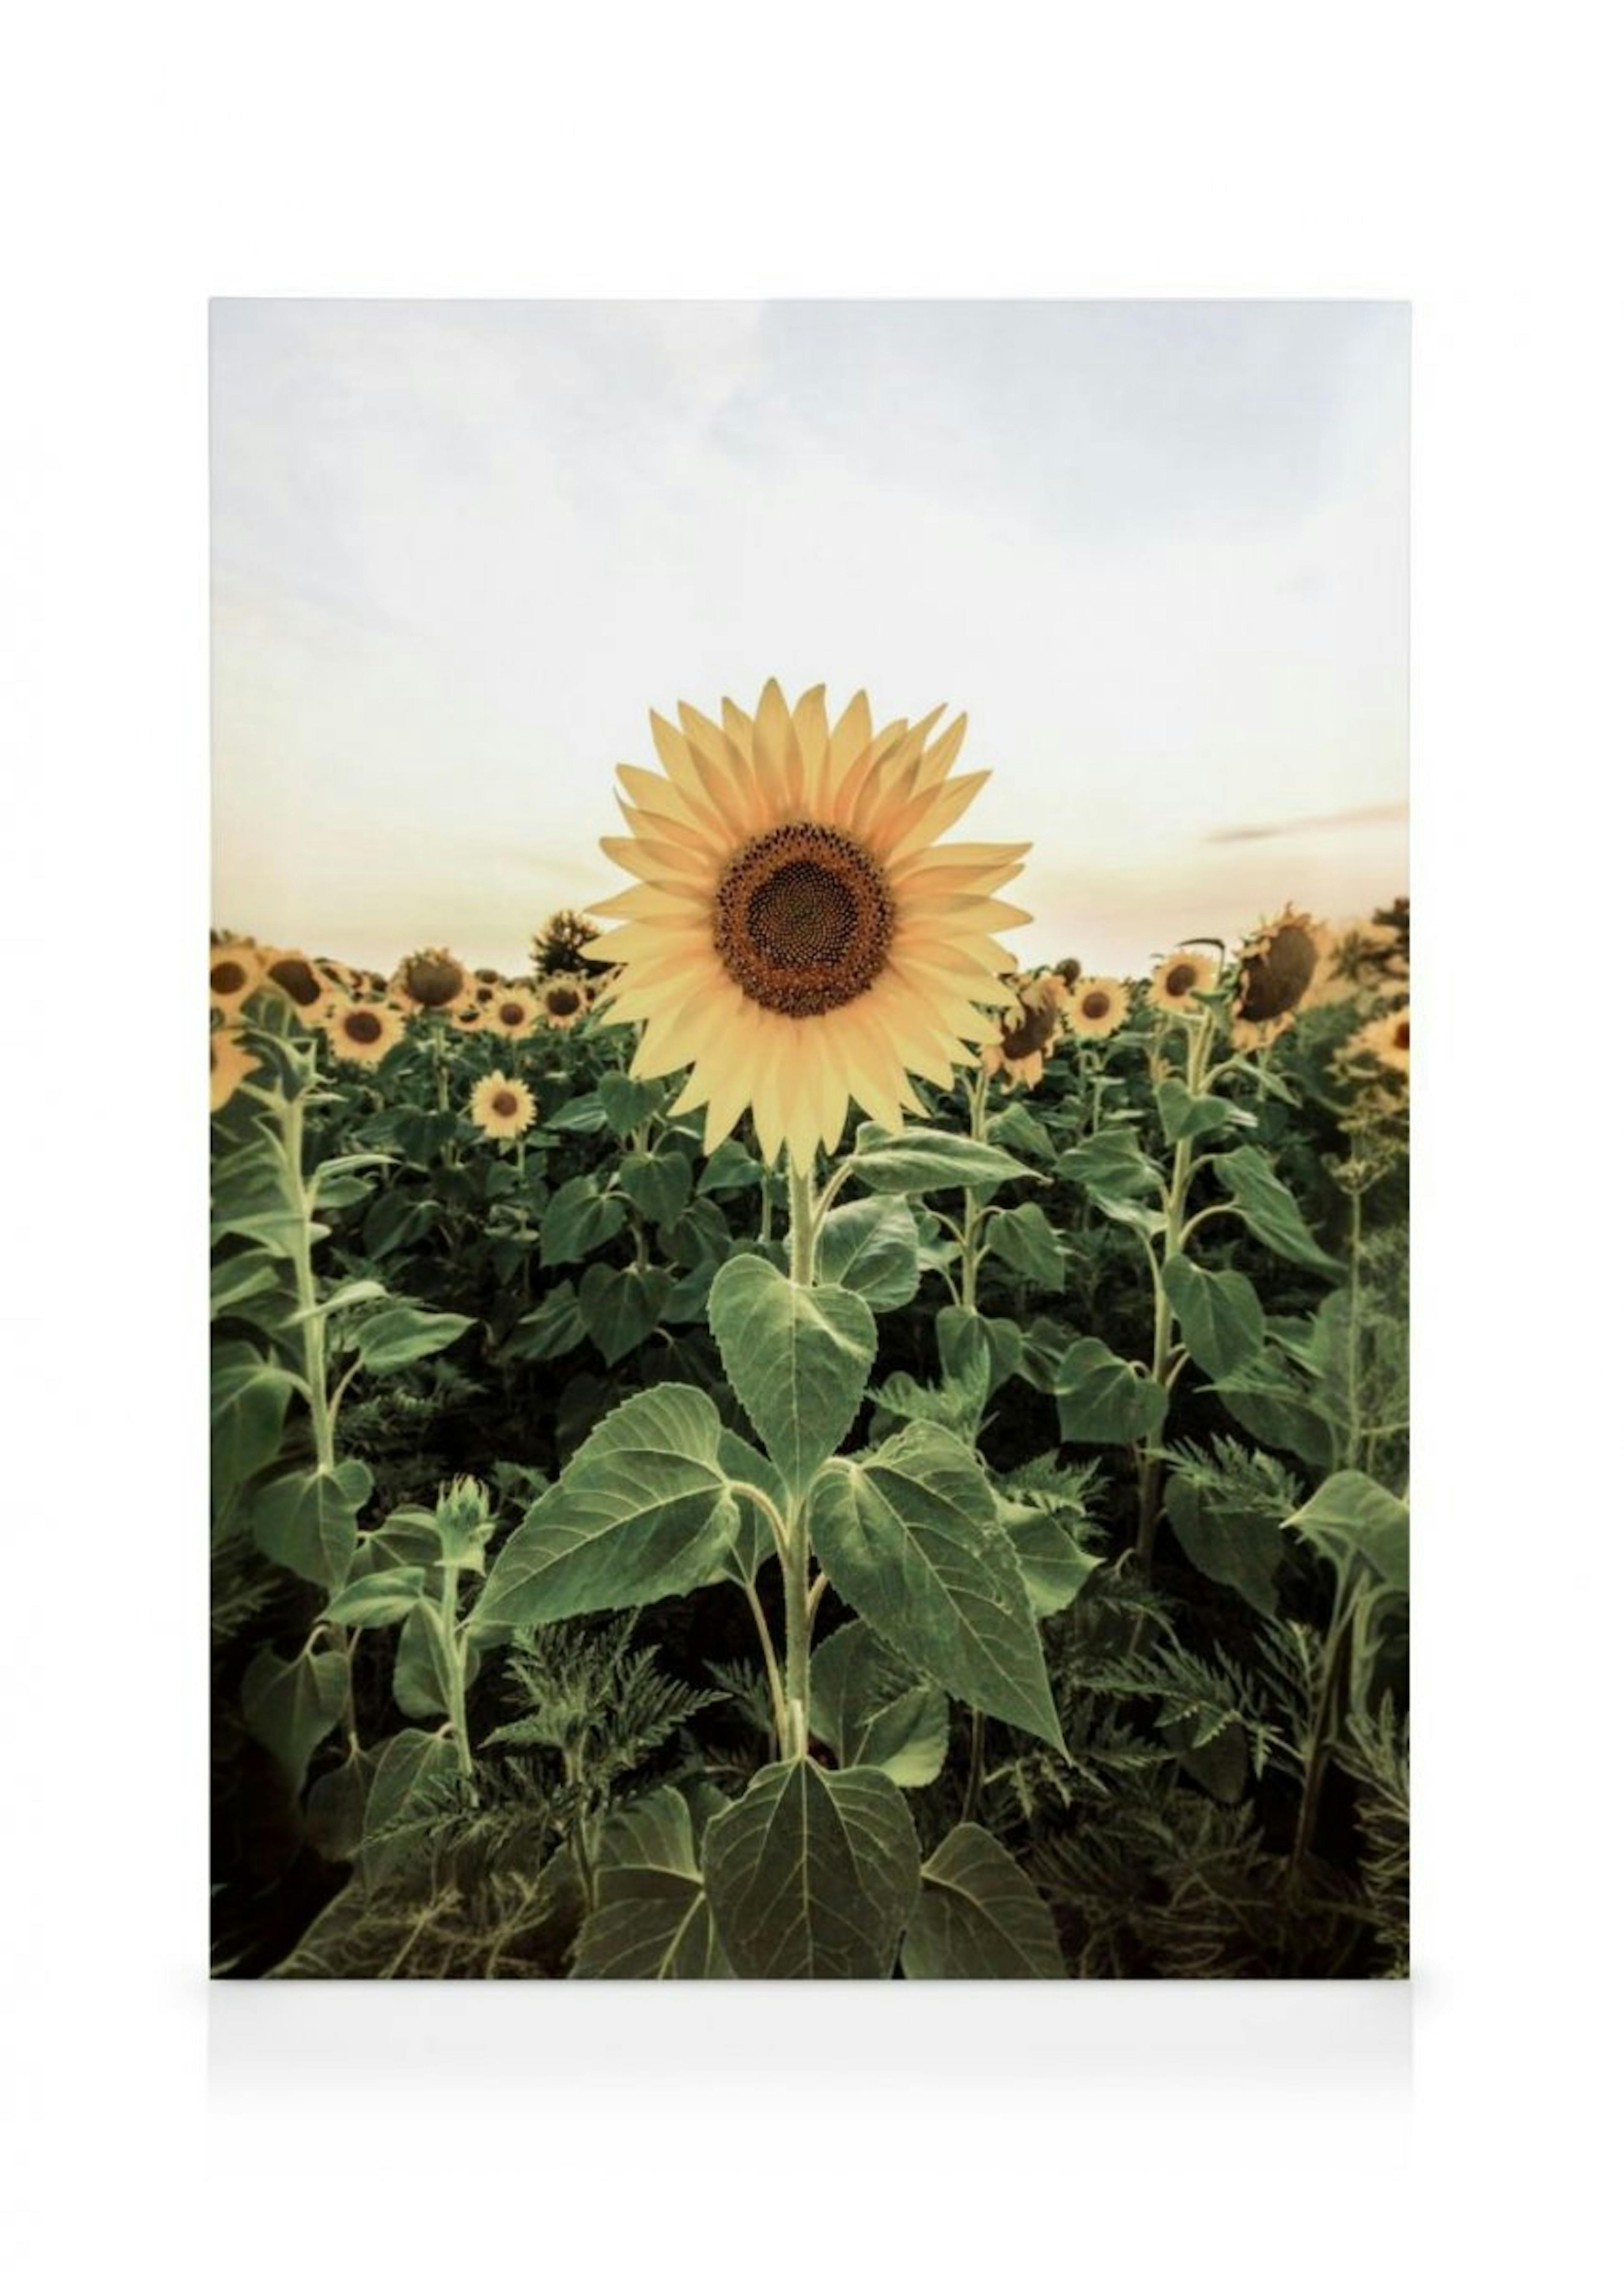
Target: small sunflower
(560,946)
(1095,1007)
(229,1066)
(1028,1031)
(797,934)
(433,979)
(508,1012)
(502,1107)
(297,978)
(1179,976)
(1385,1042)
(565,1002)
(235,971)
(363,1033)
(1277,967)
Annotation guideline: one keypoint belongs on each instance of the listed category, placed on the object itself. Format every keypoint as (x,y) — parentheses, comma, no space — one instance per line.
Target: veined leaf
(397,1333)
(1268,1208)
(871,1248)
(1103,1398)
(873,1711)
(930,1160)
(797,1357)
(290,1708)
(1026,1241)
(306,1520)
(910,1539)
(1351,1514)
(579,1217)
(1219,1313)
(812,1875)
(979,1917)
(645,1509)
(654,1920)
(622,1307)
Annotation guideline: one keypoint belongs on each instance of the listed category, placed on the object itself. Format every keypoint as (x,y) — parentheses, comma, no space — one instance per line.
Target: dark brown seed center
(562,1001)
(504,1104)
(294,976)
(227,977)
(1096,1003)
(1179,979)
(363,1026)
(803,919)
(1403,1036)
(1276,978)
(1034,1032)
(511,1013)
(433,981)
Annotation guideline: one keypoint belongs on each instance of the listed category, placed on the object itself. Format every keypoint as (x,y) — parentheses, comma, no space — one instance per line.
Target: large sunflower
(797,934)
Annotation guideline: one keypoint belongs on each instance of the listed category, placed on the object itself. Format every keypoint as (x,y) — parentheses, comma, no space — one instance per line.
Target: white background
(150,158)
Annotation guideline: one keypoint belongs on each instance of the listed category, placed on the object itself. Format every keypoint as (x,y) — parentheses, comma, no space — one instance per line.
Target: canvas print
(809,1059)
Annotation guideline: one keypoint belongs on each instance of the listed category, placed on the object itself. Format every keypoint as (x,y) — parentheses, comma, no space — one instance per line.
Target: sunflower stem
(803,1227)
(1164,1369)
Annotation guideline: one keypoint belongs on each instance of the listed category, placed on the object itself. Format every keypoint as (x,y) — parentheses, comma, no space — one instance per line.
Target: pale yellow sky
(1156,551)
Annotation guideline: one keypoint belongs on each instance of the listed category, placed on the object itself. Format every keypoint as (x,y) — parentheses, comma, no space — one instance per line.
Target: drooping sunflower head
(1095,1007)
(1179,977)
(798,935)
(510,1012)
(433,979)
(565,1002)
(363,1033)
(298,980)
(502,1107)
(1070,969)
(234,973)
(1029,1029)
(229,1066)
(1277,967)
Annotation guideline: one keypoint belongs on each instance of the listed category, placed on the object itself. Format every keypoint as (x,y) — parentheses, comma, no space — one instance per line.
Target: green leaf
(1240,1547)
(654,1920)
(1183,1115)
(626,1103)
(1271,1404)
(979,1917)
(350,1295)
(1219,1313)
(579,1217)
(581,1116)
(1351,1517)
(306,1520)
(414,1770)
(238,1279)
(1053,1565)
(622,1307)
(873,1711)
(1269,1210)
(872,1248)
(552,1330)
(383,1598)
(290,1708)
(1017,1127)
(657,1183)
(395,1334)
(978,1355)
(335,1808)
(1026,1241)
(930,1160)
(1103,1398)
(797,1358)
(645,1509)
(247,1406)
(1110,1165)
(911,1540)
(812,1875)
(730,1168)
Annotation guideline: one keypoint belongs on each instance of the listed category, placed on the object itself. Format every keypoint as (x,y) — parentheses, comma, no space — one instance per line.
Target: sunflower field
(780,1443)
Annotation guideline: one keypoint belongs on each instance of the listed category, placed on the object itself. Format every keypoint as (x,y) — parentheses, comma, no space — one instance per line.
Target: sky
(1158,551)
